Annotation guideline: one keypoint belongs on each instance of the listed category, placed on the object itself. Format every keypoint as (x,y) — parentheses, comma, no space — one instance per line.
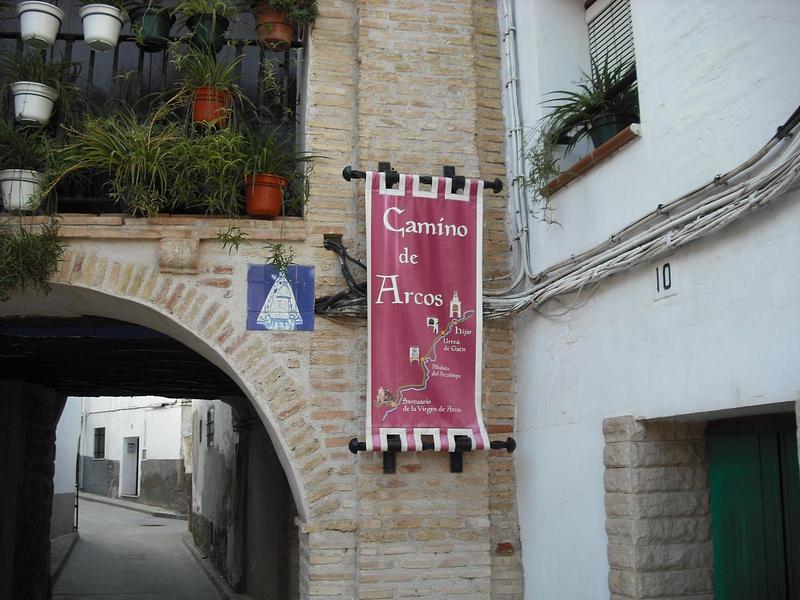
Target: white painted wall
(155,420)
(715,81)
(215,464)
(67,433)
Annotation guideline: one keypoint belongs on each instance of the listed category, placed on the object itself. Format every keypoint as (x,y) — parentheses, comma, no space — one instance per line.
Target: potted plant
(39,23)
(605,103)
(28,259)
(271,165)
(207,21)
(23,158)
(277,20)
(151,24)
(210,85)
(209,172)
(102,24)
(140,158)
(36,84)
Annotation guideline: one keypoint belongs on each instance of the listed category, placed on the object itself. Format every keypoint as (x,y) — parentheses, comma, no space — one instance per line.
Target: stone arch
(175,306)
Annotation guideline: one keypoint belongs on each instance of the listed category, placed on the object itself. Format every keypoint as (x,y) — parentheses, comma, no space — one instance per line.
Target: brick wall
(417,83)
(657,507)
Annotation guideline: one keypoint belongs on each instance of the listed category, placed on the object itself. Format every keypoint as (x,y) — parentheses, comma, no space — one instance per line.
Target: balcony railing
(130,76)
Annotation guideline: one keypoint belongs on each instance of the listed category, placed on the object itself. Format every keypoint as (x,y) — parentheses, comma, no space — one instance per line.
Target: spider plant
(140,158)
(28,259)
(210,172)
(271,151)
(23,148)
(221,8)
(201,69)
(32,66)
(604,92)
(280,256)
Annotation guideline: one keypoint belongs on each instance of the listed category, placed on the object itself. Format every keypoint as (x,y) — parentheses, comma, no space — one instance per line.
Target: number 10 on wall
(665,281)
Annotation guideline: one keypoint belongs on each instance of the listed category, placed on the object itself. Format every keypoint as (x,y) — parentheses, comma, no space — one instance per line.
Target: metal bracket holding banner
(419,403)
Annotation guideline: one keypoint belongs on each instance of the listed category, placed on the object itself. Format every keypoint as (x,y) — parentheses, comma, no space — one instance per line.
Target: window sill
(630,133)
(112,227)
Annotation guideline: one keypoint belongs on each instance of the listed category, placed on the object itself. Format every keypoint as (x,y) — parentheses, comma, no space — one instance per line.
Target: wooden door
(755,510)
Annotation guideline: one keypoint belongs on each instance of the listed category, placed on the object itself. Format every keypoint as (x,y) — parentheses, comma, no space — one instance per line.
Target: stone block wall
(657,508)
(100,476)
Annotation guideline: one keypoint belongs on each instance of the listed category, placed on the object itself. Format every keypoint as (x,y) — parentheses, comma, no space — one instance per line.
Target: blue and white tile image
(280,303)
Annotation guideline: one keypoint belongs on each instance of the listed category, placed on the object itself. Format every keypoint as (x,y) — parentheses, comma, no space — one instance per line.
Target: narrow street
(123,554)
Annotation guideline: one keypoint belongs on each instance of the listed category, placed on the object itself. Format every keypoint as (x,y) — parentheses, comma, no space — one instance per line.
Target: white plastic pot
(33,102)
(39,23)
(19,188)
(101,26)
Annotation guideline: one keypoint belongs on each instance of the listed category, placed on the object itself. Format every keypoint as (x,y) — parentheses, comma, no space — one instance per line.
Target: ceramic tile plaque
(280,302)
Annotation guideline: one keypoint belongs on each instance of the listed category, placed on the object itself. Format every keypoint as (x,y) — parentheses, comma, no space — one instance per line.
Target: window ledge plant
(605,103)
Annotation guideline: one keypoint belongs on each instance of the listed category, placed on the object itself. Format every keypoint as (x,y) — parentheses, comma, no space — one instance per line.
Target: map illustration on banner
(425,325)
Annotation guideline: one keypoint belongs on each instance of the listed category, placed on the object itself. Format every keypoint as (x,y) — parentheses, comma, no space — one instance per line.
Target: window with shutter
(610,32)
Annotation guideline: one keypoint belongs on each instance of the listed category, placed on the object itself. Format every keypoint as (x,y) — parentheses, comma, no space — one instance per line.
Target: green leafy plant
(28,259)
(202,69)
(23,148)
(231,238)
(120,4)
(271,151)
(297,12)
(140,158)
(280,256)
(222,8)
(32,66)
(604,91)
(210,172)
(542,167)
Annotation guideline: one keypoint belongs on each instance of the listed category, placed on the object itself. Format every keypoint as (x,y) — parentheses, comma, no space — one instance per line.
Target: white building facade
(133,447)
(623,385)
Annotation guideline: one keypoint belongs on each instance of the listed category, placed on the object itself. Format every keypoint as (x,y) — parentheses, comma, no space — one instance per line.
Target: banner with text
(424,253)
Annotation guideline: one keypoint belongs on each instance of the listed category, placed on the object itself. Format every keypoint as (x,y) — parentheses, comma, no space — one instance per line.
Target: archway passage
(93,356)
(47,359)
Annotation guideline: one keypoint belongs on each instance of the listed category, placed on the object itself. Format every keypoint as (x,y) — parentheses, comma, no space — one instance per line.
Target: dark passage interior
(46,360)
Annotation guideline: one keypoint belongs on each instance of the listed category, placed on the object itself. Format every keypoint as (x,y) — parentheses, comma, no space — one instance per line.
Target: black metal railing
(131,76)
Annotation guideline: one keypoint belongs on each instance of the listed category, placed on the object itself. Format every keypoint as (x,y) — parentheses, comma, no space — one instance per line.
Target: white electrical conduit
(693,215)
(775,170)
(521,244)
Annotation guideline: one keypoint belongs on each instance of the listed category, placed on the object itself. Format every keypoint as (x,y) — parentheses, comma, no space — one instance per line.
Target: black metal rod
(392,177)
(129,37)
(463,443)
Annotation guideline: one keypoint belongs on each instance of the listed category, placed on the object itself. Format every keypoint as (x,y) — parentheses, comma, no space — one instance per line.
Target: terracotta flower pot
(265,194)
(275,32)
(211,106)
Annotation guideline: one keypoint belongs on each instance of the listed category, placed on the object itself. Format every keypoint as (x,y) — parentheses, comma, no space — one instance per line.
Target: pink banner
(425,320)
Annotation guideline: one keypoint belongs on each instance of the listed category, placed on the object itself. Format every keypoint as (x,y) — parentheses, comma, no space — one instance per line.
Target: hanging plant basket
(33,102)
(152,27)
(211,106)
(101,26)
(274,31)
(265,194)
(208,31)
(20,188)
(39,23)
(605,127)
